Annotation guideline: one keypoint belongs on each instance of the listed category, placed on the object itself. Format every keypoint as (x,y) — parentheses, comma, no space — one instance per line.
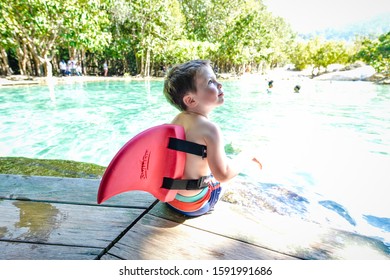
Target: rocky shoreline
(355,72)
(27,80)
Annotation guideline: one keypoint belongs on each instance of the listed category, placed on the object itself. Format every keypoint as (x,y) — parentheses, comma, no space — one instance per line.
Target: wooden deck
(46,218)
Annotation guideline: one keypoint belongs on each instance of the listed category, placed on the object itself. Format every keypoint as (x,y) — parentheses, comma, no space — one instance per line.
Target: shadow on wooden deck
(45,218)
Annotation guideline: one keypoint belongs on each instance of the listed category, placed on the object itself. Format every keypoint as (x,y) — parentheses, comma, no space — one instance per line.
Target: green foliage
(46,25)
(299,56)
(87,25)
(319,54)
(207,20)
(375,52)
(144,27)
(142,36)
(182,50)
(328,52)
(280,40)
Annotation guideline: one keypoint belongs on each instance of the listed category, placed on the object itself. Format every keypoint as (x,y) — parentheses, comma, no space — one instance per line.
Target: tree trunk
(147,63)
(125,66)
(72,52)
(4,62)
(83,68)
(55,63)
(36,59)
(141,70)
(30,70)
(5,69)
(48,67)
(22,59)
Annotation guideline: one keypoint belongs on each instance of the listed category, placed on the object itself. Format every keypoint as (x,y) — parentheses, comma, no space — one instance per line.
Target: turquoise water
(325,151)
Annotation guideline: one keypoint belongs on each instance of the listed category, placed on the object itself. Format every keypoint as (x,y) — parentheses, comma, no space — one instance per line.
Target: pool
(325,150)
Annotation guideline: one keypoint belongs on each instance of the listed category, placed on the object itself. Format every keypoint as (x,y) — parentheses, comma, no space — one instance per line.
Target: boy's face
(208,90)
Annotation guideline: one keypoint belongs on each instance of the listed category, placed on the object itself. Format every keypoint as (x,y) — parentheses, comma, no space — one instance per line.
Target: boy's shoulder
(198,124)
(207,128)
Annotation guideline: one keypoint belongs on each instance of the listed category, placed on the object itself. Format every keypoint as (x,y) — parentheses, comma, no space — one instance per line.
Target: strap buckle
(187,147)
(186,184)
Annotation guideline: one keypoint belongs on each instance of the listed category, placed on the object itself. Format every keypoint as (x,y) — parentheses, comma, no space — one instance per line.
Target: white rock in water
(357,74)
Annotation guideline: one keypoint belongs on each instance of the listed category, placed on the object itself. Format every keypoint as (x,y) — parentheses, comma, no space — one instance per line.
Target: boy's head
(180,80)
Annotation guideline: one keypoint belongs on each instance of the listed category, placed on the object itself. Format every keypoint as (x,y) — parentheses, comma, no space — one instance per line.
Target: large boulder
(351,73)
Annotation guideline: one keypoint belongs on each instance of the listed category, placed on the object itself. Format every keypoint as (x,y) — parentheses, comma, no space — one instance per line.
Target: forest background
(145,37)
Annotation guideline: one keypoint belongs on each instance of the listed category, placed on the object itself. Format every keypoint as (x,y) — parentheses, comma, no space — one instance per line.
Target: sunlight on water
(325,151)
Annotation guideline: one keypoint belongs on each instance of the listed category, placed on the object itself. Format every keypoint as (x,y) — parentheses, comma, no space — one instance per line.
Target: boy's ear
(189,100)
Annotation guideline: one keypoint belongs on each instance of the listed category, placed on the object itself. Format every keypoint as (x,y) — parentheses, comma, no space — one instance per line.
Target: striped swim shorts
(199,204)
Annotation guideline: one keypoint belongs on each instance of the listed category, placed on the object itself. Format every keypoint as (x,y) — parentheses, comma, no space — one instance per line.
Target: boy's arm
(221,167)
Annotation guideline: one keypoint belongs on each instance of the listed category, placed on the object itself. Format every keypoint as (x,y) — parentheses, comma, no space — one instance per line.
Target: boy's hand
(245,159)
(258,162)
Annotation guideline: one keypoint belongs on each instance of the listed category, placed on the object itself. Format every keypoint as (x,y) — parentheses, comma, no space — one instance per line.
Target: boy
(192,88)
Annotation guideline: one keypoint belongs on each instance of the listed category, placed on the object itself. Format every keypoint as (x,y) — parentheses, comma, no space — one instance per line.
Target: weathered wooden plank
(109,257)
(287,235)
(62,224)
(31,251)
(73,190)
(156,238)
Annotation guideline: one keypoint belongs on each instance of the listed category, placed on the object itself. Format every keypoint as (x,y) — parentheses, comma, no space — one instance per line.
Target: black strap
(178,184)
(191,148)
(187,147)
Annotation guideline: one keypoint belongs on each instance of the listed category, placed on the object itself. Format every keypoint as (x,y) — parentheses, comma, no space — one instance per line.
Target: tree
(299,56)
(5,43)
(41,25)
(148,27)
(140,36)
(207,20)
(245,40)
(319,54)
(327,53)
(281,40)
(375,52)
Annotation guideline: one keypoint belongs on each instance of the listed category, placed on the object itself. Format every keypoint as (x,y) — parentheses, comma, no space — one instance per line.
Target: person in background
(72,66)
(78,69)
(62,67)
(270,86)
(105,68)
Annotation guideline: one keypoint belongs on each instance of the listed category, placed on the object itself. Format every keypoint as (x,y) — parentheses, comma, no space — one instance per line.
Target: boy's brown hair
(180,80)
